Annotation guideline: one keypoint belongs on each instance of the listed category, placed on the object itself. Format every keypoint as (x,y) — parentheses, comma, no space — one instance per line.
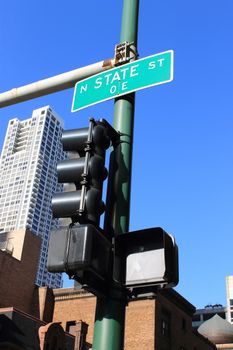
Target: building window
(165,328)
(184,326)
(70,325)
(208,316)
(222,314)
(166,323)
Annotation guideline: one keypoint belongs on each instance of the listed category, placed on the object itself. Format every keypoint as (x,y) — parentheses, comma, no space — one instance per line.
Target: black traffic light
(145,260)
(86,171)
(81,249)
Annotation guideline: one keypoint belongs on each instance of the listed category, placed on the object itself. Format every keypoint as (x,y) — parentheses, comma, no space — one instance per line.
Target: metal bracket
(125,52)
(84,182)
(114,137)
(112,133)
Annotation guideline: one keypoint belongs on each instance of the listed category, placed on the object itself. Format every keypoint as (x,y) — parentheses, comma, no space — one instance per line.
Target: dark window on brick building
(184,325)
(70,326)
(165,328)
(166,323)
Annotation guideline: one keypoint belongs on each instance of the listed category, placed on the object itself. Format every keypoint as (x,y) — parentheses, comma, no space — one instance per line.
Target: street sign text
(140,74)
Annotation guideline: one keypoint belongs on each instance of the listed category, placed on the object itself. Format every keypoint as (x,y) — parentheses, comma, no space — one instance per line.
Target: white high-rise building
(28,180)
(229,287)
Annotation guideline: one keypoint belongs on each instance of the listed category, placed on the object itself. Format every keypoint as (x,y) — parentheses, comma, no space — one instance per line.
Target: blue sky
(183,145)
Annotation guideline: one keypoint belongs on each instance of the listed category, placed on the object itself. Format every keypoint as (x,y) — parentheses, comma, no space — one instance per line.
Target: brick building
(154,324)
(19,254)
(164,323)
(20,331)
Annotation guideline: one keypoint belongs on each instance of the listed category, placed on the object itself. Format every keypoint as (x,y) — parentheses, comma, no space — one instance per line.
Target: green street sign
(149,71)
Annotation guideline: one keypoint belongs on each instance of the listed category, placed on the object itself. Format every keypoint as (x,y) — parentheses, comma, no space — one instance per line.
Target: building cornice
(70,293)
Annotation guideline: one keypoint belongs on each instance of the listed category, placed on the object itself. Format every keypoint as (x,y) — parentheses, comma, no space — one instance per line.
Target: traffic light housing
(86,170)
(137,262)
(145,260)
(81,249)
(84,253)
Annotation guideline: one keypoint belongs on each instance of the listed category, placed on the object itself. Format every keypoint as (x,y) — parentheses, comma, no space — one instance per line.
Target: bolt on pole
(110,312)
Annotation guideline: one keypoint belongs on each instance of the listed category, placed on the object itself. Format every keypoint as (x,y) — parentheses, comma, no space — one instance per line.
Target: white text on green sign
(140,74)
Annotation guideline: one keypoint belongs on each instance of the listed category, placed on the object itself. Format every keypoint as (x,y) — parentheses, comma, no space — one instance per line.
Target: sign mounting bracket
(125,52)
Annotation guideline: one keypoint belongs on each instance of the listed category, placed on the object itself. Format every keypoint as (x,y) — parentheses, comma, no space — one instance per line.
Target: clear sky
(183,141)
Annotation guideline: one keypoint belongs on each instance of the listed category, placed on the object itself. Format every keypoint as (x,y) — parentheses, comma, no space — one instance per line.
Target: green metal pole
(110,312)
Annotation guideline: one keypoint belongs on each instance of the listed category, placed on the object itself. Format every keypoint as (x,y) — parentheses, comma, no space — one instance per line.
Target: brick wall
(71,305)
(17,277)
(140,325)
(74,305)
(145,320)
(175,311)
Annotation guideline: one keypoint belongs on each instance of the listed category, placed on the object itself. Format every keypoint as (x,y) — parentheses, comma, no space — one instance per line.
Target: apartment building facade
(28,180)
